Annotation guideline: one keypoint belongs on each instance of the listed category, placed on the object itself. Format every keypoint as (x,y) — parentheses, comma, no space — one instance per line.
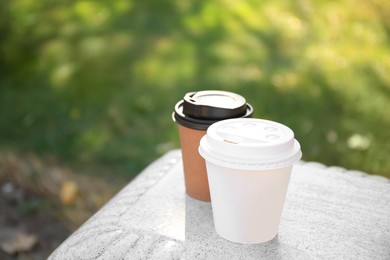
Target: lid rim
(201,124)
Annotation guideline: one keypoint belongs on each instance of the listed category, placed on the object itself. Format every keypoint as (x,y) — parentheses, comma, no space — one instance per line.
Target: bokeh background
(91,85)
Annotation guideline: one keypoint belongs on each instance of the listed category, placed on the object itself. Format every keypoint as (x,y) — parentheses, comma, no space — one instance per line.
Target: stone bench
(330,213)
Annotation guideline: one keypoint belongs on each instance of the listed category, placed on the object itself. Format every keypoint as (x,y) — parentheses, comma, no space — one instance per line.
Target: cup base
(249,241)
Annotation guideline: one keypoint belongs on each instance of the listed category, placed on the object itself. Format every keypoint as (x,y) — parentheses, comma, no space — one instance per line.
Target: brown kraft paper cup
(194,114)
(195,175)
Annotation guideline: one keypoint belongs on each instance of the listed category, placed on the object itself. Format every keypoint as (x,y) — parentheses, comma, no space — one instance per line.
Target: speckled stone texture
(329,213)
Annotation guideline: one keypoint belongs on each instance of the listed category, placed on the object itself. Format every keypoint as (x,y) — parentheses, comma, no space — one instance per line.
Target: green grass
(94,83)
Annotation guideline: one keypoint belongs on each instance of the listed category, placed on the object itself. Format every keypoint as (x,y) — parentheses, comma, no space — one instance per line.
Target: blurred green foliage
(95,82)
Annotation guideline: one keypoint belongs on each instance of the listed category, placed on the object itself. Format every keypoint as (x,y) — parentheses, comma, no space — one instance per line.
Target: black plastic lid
(214,104)
(198,110)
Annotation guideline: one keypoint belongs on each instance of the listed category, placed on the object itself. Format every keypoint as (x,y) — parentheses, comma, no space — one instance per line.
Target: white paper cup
(248,162)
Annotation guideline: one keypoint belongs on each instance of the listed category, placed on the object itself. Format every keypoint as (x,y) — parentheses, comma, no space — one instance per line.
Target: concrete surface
(330,213)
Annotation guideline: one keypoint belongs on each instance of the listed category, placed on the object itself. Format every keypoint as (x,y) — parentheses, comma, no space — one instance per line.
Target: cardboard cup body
(247,204)
(195,174)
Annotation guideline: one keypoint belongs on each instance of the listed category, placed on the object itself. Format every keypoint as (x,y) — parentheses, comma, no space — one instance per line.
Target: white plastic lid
(250,143)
